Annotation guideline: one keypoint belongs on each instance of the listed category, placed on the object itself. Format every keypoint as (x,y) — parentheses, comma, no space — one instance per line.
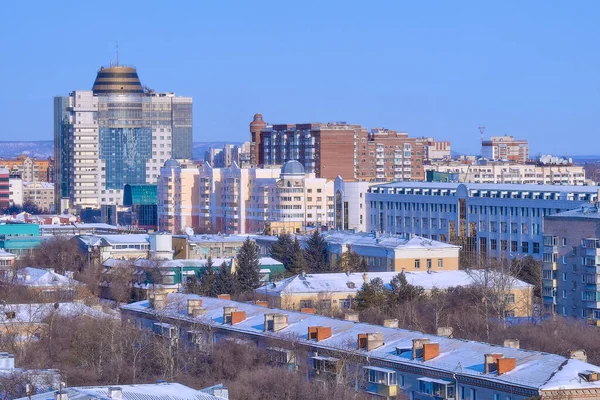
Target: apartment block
(505,148)
(41,194)
(118,133)
(436,150)
(383,361)
(30,169)
(507,172)
(308,290)
(485,219)
(571,283)
(4,188)
(178,194)
(340,149)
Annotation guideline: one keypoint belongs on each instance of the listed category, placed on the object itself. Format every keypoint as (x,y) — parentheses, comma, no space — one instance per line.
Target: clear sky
(435,68)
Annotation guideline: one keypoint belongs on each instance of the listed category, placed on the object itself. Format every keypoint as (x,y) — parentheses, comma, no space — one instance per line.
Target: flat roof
(491,187)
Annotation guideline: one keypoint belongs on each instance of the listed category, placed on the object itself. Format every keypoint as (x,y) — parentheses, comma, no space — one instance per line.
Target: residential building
(207,245)
(39,193)
(45,285)
(484,171)
(39,380)
(485,219)
(238,200)
(118,133)
(15,191)
(4,189)
(383,361)
(350,205)
(337,290)
(118,246)
(178,194)
(436,150)
(225,156)
(572,263)
(30,169)
(7,262)
(161,390)
(505,148)
(382,252)
(337,149)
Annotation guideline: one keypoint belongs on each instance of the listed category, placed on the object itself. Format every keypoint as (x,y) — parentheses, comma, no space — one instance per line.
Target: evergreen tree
(316,253)
(298,261)
(371,295)
(350,261)
(208,279)
(282,249)
(248,266)
(402,291)
(225,281)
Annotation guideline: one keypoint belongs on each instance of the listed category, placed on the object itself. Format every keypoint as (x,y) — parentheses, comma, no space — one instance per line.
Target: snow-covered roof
(352,282)
(217,238)
(143,262)
(534,370)
(491,187)
(151,391)
(6,254)
(131,238)
(42,277)
(38,312)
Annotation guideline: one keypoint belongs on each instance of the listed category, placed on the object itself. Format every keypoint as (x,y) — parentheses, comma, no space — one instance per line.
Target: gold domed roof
(117,79)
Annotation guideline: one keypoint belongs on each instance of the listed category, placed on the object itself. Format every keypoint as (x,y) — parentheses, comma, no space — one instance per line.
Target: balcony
(380,381)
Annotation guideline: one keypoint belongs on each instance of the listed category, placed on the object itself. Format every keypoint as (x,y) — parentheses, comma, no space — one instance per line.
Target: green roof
(140,195)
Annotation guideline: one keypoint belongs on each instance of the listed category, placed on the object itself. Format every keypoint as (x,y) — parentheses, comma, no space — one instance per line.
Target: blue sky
(435,68)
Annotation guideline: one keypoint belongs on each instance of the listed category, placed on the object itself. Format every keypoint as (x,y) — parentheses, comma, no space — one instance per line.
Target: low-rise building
(350,205)
(41,194)
(45,285)
(7,262)
(337,290)
(383,361)
(19,238)
(382,252)
(203,246)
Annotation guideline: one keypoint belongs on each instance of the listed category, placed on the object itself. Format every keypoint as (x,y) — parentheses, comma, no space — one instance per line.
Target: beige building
(337,291)
(39,193)
(510,172)
(178,197)
(505,148)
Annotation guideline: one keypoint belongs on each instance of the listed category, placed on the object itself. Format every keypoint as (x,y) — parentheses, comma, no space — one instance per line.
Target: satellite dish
(189,231)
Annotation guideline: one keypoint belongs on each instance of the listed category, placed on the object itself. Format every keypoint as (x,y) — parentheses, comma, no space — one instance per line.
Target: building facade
(507,172)
(30,169)
(116,134)
(505,148)
(383,361)
(337,149)
(4,188)
(350,205)
(484,219)
(572,263)
(41,194)
(437,150)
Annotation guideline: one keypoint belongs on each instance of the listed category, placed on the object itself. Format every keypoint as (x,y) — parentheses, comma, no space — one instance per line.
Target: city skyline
(526,70)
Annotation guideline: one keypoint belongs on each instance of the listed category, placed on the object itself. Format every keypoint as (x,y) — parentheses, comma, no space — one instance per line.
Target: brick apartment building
(337,149)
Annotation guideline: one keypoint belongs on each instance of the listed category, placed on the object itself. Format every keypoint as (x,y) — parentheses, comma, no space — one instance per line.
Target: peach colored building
(178,196)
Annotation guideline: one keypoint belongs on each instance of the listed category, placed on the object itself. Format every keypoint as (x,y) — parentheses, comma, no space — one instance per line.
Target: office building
(224,157)
(384,361)
(337,149)
(572,263)
(483,171)
(350,205)
(505,148)
(336,291)
(118,133)
(485,219)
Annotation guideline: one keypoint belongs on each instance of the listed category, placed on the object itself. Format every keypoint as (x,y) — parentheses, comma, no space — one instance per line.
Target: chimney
(370,341)
(580,355)
(351,316)
(115,393)
(506,365)
(227,314)
(445,331)
(193,304)
(224,296)
(262,303)
(490,362)
(417,348)
(275,322)
(307,310)
(158,301)
(430,351)
(197,312)
(237,317)
(390,323)
(512,343)
(319,332)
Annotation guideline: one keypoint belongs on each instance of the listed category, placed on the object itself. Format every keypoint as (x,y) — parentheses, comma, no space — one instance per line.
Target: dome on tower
(293,168)
(258,122)
(171,163)
(117,79)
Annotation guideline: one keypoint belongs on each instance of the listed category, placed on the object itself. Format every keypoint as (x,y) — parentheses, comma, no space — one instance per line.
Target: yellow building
(337,290)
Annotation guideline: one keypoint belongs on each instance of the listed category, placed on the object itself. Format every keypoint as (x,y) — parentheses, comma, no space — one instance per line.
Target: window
(380,375)
(564,241)
(514,246)
(417,264)
(428,263)
(564,276)
(440,263)
(564,294)
(473,393)
(536,248)
(509,298)
(493,244)
(306,303)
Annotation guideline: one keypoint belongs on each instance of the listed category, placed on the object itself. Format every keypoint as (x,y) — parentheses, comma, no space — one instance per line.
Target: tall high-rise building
(337,149)
(116,134)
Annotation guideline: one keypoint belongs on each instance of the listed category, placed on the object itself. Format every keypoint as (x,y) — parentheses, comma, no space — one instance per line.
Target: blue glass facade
(125,151)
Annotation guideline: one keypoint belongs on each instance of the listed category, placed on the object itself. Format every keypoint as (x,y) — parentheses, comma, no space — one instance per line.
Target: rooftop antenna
(481,130)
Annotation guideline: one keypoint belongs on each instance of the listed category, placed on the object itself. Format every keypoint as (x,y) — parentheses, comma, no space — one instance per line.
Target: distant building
(485,219)
(45,285)
(340,149)
(179,194)
(15,194)
(572,263)
(143,203)
(350,205)
(224,157)
(505,148)
(30,169)
(381,360)
(436,150)
(19,239)
(207,245)
(4,189)
(116,134)
(506,172)
(383,252)
(337,290)
(41,194)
